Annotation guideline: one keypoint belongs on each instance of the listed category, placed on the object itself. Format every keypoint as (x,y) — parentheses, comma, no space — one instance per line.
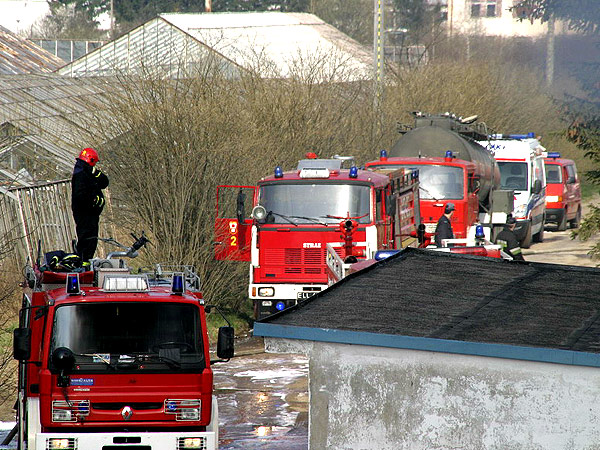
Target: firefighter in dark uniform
(443,230)
(508,240)
(87,201)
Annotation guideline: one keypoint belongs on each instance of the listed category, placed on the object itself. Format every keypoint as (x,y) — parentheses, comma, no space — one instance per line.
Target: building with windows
(491,18)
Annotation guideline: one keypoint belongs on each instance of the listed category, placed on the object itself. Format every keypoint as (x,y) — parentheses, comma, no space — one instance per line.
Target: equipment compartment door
(233,224)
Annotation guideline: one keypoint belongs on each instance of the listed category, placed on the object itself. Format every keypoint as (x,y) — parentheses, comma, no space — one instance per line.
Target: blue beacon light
(479,234)
(73,284)
(353,172)
(177,285)
(278,172)
(280,306)
(383,155)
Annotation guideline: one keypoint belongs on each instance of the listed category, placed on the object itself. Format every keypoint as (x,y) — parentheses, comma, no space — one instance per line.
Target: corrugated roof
(273,44)
(44,119)
(156,47)
(446,297)
(19,56)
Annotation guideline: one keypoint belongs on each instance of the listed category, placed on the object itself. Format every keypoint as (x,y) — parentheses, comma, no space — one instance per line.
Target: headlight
(191,442)
(185,410)
(553,198)
(56,443)
(266,292)
(69,412)
(520,212)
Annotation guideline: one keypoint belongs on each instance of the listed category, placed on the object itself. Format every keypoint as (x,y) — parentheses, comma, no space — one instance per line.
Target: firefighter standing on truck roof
(508,240)
(87,201)
(443,230)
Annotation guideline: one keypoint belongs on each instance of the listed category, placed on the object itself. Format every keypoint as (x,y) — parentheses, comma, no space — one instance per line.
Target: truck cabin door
(233,224)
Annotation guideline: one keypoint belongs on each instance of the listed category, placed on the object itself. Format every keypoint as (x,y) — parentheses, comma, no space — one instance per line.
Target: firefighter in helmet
(443,230)
(87,201)
(508,240)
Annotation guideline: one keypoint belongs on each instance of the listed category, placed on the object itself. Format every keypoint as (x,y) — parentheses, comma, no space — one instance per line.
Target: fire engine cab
(113,359)
(297,213)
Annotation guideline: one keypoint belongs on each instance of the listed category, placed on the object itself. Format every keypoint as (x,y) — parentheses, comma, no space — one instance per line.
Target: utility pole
(112,19)
(550,53)
(378,47)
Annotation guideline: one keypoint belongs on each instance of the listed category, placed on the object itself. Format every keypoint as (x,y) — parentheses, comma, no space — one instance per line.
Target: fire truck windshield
(436,182)
(305,202)
(130,335)
(513,175)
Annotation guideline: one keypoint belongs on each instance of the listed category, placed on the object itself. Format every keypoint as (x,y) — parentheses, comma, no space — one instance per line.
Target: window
(486,8)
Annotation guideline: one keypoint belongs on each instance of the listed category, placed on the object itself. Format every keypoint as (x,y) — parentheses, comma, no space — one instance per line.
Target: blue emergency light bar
(531,134)
(553,155)
(73,284)
(178,284)
(278,172)
(353,172)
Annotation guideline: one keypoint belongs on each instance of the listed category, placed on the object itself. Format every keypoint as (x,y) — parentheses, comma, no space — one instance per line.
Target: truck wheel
(577,220)
(539,236)
(562,225)
(526,242)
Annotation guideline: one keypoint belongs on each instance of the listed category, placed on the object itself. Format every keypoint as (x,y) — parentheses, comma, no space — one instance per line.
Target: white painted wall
(377,398)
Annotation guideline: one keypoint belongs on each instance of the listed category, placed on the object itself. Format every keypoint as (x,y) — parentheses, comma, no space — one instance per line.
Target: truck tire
(577,220)
(539,236)
(562,225)
(526,242)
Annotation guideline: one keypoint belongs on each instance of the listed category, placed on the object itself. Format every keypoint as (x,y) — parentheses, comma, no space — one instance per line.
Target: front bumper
(521,228)
(143,441)
(554,215)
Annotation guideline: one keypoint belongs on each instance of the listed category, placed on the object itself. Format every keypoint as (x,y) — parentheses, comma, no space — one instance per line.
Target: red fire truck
(452,168)
(297,213)
(109,359)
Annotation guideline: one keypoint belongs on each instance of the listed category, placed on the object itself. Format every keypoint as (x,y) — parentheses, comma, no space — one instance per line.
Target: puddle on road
(263,401)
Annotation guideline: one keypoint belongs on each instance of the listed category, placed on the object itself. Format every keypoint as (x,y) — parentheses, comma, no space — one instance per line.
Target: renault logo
(127,413)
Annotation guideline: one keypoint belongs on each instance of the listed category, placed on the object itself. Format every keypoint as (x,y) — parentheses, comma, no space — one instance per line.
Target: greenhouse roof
(44,119)
(272,44)
(19,56)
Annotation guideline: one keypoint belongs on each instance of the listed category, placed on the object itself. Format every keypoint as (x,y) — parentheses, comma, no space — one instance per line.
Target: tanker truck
(453,168)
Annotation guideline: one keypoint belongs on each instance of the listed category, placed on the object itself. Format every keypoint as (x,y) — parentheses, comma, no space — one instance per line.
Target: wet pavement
(263,400)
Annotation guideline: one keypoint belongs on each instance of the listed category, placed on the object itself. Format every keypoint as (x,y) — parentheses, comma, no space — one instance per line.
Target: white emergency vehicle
(521,161)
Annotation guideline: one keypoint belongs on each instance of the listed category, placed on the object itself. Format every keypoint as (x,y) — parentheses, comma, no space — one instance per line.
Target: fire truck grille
(137,406)
(296,260)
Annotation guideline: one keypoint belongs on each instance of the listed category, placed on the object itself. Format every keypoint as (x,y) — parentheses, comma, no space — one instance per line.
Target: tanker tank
(432,136)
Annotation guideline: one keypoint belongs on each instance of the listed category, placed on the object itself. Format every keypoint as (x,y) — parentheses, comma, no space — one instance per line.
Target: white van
(521,161)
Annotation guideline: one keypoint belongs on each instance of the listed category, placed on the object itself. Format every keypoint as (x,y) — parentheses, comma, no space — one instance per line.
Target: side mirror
(22,343)
(390,205)
(225,343)
(64,360)
(537,186)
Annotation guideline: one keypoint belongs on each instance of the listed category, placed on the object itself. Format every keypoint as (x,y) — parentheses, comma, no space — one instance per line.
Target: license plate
(303,295)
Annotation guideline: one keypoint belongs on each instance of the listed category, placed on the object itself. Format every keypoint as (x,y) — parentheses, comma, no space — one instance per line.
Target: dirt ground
(559,248)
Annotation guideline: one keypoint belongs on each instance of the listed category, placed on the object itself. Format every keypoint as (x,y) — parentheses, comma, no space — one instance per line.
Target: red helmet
(89,155)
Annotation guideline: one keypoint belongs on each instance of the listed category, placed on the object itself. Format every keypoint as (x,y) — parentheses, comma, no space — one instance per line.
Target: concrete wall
(377,398)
